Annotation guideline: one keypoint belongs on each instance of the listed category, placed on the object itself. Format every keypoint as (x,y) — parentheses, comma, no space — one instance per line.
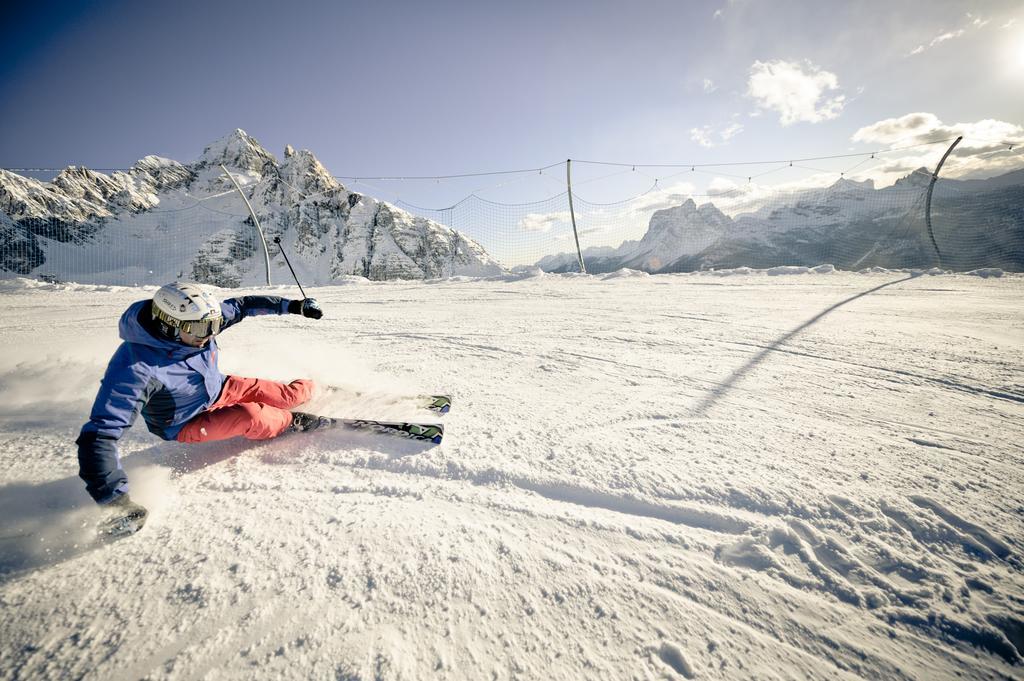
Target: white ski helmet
(183,306)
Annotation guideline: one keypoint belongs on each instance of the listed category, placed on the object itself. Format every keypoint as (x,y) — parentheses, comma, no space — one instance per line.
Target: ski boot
(122,517)
(303,422)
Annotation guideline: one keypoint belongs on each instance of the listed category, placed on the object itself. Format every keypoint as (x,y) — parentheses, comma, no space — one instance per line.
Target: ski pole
(277,240)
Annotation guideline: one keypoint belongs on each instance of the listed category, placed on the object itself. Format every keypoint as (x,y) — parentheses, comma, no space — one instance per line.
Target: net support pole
(256,220)
(572,214)
(928,201)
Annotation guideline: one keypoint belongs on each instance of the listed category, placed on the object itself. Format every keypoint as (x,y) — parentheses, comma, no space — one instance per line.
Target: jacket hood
(133,329)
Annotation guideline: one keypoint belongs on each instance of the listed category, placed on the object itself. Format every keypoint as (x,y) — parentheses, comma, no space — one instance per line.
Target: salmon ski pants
(254,408)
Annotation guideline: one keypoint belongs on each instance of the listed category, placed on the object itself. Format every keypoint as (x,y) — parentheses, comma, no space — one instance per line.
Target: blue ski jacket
(164,380)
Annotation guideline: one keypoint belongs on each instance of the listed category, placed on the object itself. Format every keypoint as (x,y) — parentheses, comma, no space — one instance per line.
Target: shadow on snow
(726,386)
(45,524)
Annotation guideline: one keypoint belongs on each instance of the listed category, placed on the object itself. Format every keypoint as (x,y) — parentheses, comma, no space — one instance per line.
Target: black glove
(307,308)
(121,517)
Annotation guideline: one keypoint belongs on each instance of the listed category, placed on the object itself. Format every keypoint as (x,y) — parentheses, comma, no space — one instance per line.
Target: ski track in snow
(816,476)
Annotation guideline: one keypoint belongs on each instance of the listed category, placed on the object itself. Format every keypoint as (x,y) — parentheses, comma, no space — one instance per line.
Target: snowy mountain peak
(18,195)
(237,150)
(673,233)
(331,232)
(849,223)
(711,213)
(921,177)
(304,163)
(77,173)
(76,199)
(81,183)
(854,185)
(102,193)
(159,173)
(301,176)
(686,207)
(154,164)
(685,218)
(844,188)
(688,210)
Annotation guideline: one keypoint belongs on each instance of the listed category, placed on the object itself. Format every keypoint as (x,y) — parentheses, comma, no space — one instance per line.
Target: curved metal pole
(266,253)
(572,214)
(928,201)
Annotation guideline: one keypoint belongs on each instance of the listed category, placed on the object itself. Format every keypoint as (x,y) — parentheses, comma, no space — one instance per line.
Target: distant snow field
(814,476)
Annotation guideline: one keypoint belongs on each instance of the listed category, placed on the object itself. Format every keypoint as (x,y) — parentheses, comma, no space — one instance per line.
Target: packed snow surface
(815,476)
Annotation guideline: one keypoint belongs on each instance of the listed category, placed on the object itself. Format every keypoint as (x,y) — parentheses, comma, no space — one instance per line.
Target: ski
(437,403)
(122,525)
(428,432)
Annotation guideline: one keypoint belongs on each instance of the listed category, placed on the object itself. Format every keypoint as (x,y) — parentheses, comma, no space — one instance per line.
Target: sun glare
(1014,50)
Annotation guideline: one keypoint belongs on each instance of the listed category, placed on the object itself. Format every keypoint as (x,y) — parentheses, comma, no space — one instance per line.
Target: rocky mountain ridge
(172,220)
(850,224)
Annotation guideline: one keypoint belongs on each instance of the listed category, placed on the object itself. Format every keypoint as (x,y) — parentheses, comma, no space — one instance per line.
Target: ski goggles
(200,328)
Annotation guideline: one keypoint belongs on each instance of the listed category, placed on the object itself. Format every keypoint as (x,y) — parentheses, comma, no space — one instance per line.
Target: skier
(167,369)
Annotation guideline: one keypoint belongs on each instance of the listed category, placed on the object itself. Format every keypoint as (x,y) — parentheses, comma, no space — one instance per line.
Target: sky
(393,88)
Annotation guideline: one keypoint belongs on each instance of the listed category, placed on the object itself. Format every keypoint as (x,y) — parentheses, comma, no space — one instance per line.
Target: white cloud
(922,128)
(542,222)
(664,197)
(1009,24)
(912,127)
(709,85)
(702,136)
(717,14)
(797,91)
(720,186)
(733,198)
(948,35)
(976,22)
(709,136)
(984,149)
(731,131)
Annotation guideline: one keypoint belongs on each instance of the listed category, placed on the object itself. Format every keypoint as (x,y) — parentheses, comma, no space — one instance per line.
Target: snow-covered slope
(806,477)
(163,220)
